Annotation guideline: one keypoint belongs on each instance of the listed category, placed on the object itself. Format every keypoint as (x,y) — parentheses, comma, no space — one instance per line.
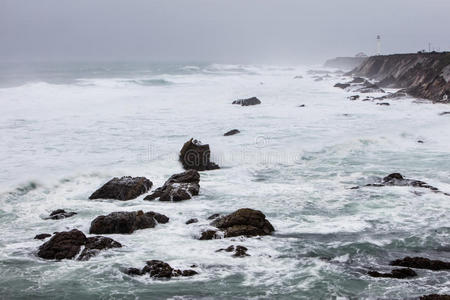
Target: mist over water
(67,130)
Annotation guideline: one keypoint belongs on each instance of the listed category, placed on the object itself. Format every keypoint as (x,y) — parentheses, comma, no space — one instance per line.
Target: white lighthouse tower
(378,45)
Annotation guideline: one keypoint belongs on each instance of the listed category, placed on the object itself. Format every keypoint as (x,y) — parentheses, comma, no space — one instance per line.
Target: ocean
(66,129)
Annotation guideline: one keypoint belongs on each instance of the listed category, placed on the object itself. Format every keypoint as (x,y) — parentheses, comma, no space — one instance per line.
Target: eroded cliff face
(423,75)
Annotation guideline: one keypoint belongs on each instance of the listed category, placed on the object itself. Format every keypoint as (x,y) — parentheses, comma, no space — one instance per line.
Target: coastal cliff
(423,75)
(345,63)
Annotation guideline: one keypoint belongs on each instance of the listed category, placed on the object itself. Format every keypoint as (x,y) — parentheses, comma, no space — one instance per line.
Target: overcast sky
(217,30)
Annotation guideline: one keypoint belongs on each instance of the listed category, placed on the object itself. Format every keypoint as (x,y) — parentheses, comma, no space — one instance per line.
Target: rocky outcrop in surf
(423,75)
(60,214)
(421,263)
(231,132)
(197,156)
(178,187)
(124,188)
(126,222)
(160,269)
(395,273)
(67,245)
(239,251)
(247,102)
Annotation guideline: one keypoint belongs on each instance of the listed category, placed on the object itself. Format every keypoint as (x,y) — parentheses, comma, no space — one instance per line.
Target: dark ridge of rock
(383,104)
(342,85)
(354,97)
(124,188)
(420,141)
(301,105)
(60,214)
(95,244)
(345,63)
(228,249)
(424,75)
(67,245)
(421,263)
(399,94)
(298,77)
(444,113)
(358,80)
(126,222)
(195,155)
(160,269)
(240,251)
(231,132)
(178,187)
(190,221)
(63,245)
(42,236)
(247,102)
(209,235)
(435,297)
(369,88)
(395,273)
(213,216)
(244,221)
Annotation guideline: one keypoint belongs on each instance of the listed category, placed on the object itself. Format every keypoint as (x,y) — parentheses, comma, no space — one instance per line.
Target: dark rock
(395,273)
(354,97)
(421,263)
(444,113)
(208,235)
(342,85)
(159,269)
(244,221)
(372,88)
(95,244)
(383,103)
(195,155)
(232,132)
(63,245)
(399,94)
(60,214)
(190,221)
(301,105)
(396,179)
(420,141)
(213,216)
(126,222)
(124,188)
(298,77)
(247,102)
(435,297)
(358,80)
(178,187)
(228,249)
(241,251)
(42,236)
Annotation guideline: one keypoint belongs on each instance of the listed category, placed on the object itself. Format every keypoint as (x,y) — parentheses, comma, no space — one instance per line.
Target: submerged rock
(178,187)
(342,85)
(191,221)
(124,188)
(244,221)
(421,263)
(213,216)
(247,102)
(67,245)
(383,103)
(159,269)
(60,214)
(42,236)
(231,132)
(195,155)
(354,97)
(209,235)
(240,251)
(444,113)
(395,273)
(126,222)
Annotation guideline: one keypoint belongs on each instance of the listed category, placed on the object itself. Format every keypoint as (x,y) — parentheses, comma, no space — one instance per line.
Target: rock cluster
(124,188)
(159,269)
(239,251)
(60,214)
(178,187)
(395,273)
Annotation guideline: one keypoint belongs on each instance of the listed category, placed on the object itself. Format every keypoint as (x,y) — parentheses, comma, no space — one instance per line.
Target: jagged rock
(421,263)
(395,273)
(435,297)
(42,236)
(159,269)
(370,88)
(126,222)
(67,245)
(124,188)
(178,187)
(342,85)
(195,155)
(240,251)
(231,132)
(209,235)
(244,221)
(190,221)
(247,102)
(60,214)
(213,216)
(396,179)
(354,97)
(228,249)
(383,103)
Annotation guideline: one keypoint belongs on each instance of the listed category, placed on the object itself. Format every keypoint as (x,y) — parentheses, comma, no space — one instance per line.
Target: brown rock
(126,222)
(124,188)
(195,155)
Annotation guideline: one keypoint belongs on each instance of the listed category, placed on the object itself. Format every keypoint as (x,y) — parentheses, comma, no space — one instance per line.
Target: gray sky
(275,31)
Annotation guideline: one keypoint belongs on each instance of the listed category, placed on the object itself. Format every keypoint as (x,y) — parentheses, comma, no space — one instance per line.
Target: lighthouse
(378,45)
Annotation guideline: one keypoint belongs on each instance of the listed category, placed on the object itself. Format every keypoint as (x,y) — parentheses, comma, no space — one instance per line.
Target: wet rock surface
(239,251)
(395,273)
(421,263)
(124,188)
(231,132)
(191,221)
(247,102)
(209,235)
(60,214)
(126,222)
(178,187)
(67,245)
(435,297)
(42,236)
(160,269)
(195,155)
